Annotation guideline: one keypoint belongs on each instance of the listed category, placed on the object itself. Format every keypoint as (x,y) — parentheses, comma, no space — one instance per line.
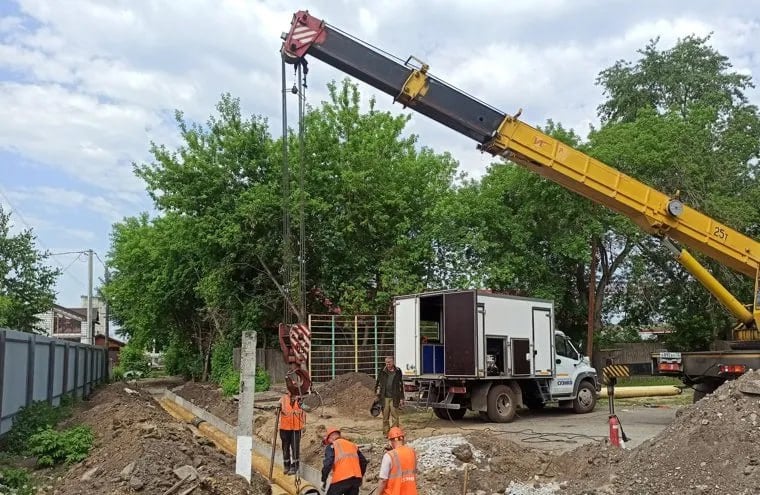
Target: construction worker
(398,469)
(346,462)
(389,388)
(292,420)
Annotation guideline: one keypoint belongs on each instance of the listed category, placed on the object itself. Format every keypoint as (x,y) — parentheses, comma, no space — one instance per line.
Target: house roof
(70,312)
(83,312)
(111,338)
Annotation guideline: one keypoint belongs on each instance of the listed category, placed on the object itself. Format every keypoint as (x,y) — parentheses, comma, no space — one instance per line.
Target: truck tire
(585,399)
(698,395)
(502,404)
(451,414)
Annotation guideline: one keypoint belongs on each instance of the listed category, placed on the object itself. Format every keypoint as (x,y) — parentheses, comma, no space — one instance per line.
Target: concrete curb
(307,472)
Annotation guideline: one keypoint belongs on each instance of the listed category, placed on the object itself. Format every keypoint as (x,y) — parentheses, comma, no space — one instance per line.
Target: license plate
(670,355)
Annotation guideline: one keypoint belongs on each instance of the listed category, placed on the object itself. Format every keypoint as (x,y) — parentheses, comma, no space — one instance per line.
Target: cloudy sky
(85,85)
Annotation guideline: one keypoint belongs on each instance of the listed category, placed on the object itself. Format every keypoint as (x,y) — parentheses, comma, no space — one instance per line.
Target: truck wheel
(452,414)
(585,400)
(502,404)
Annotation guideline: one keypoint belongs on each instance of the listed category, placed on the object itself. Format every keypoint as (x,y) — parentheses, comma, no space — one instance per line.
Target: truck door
(567,359)
(406,342)
(542,341)
(459,333)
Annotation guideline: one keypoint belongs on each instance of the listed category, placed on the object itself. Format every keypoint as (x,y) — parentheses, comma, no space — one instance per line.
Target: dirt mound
(138,446)
(713,446)
(350,392)
(209,397)
(481,462)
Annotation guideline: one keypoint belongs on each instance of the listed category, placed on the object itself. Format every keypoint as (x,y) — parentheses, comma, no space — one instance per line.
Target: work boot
(292,470)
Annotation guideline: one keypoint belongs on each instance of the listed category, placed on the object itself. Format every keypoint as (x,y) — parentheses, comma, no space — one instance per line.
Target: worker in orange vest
(398,469)
(292,420)
(346,463)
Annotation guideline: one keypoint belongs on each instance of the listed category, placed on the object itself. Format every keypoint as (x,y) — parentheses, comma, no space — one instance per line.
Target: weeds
(33,418)
(16,481)
(53,447)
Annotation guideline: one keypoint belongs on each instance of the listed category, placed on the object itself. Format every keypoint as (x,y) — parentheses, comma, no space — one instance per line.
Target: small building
(114,346)
(66,323)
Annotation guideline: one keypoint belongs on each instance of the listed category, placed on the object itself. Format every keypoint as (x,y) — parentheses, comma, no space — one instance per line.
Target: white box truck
(473,350)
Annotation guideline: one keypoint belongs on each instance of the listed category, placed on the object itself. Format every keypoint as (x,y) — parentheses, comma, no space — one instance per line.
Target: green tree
(26,282)
(211,265)
(679,120)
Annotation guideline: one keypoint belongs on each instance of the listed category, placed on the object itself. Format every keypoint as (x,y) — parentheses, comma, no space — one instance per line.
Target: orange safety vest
(292,416)
(402,479)
(346,463)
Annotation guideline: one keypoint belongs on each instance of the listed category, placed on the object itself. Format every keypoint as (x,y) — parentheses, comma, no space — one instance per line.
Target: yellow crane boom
(505,135)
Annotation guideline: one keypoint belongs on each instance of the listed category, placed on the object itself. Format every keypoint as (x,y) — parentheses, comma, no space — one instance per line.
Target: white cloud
(88,84)
(57,199)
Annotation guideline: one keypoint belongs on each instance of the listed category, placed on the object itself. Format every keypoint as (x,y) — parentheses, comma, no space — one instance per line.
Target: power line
(23,220)
(98,257)
(68,252)
(78,258)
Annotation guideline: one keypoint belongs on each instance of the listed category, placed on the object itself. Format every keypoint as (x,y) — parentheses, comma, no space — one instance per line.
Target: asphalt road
(560,430)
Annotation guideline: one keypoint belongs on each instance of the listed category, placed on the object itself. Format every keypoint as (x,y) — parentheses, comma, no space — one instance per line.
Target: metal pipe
(712,284)
(228,444)
(652,391)
(274,441)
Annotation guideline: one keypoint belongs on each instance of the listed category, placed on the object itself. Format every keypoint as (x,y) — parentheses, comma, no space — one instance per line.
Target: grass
(682,399)
(648,381)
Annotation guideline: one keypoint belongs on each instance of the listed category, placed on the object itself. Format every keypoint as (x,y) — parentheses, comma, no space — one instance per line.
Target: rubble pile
(713,446)
(139,448)
(352,393)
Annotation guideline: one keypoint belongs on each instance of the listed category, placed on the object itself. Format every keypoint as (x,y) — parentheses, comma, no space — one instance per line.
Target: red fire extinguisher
(615,431)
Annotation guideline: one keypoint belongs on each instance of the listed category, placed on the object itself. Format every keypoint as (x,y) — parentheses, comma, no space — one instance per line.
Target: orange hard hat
(395,432)
(329,432)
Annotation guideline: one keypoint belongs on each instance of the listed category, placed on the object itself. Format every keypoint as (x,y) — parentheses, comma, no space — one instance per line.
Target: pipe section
(653,391)
(284,483)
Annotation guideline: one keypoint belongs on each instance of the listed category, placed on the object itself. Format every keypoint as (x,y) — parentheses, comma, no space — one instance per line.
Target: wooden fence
(638,356)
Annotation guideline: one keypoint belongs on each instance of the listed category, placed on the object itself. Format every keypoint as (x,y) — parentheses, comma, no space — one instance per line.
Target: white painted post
(245,406)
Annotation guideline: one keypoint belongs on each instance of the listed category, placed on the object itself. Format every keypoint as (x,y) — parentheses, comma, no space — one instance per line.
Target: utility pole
(106,324)
(591,301)
(89,337)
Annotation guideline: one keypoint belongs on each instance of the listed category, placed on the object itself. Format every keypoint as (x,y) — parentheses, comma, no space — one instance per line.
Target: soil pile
(479,463)
(713,446)
(138,446)
(351,393)
(209,397)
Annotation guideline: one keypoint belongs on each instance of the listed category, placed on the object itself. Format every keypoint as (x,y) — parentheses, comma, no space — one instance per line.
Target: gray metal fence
(34,368)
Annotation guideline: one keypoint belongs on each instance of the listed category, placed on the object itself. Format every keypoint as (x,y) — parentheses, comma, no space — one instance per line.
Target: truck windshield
(564,347)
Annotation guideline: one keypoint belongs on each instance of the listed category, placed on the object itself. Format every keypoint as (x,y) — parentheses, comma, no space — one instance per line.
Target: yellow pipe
(653,391)
(716,288)
(229,445)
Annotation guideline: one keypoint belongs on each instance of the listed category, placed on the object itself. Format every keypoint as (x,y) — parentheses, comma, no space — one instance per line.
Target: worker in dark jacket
(346,463)
(389,388)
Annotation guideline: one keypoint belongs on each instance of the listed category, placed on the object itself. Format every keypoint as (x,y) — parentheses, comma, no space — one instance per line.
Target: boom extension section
(505,135)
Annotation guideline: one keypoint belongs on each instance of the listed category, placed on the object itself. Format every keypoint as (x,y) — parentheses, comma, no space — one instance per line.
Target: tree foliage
(385,216)
(679,120)
(26,282)
(210,265)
